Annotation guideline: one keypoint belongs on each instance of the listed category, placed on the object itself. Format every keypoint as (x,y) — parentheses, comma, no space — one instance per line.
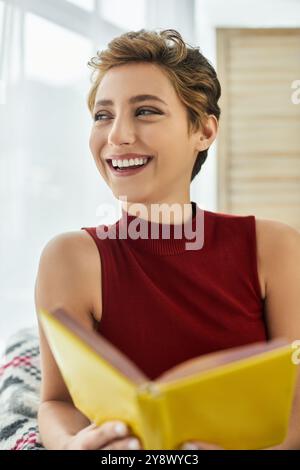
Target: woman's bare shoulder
(275,241)
(74,257)
(275,234)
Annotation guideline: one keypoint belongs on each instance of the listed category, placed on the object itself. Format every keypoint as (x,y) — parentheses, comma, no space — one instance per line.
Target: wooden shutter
(259,134)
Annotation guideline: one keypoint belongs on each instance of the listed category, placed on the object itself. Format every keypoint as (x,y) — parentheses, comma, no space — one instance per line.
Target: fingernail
(133,444)
(189,446)
(120,429)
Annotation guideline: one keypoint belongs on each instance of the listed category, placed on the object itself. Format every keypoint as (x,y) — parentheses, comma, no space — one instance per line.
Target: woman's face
(148,127)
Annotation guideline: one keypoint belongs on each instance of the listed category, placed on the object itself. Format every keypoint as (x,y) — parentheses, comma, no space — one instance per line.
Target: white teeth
(132,162)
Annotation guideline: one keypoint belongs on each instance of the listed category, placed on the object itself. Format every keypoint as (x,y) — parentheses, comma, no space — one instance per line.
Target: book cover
(239,398)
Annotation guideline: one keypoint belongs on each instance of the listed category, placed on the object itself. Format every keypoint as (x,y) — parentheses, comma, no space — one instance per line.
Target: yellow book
(239,398)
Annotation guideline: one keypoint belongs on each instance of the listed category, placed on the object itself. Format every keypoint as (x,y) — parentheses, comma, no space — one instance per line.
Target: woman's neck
(160,212)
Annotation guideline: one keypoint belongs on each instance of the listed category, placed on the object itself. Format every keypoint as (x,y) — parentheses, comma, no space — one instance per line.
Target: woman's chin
(133,196)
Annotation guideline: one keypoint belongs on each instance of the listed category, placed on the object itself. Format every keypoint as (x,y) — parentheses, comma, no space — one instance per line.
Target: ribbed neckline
(167,239)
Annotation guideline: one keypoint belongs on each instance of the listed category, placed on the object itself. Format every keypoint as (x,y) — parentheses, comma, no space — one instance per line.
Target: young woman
(154,103)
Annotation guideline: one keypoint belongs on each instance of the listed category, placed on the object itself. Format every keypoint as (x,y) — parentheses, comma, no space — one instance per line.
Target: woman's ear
(208,132)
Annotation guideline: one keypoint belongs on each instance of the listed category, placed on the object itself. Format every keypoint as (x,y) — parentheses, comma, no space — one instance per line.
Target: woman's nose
(122,131)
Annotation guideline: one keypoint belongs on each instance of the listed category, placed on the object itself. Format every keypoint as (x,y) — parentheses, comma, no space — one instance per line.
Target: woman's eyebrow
(133,99)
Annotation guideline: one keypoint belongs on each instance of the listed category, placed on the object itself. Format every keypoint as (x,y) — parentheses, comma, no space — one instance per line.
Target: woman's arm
(59,422)
(66,277)
(279,247)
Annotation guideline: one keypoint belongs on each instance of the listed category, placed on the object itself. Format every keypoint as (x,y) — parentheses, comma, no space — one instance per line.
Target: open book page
(219,358)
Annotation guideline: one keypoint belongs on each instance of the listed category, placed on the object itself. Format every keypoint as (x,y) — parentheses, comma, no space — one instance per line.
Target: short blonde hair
(193,77)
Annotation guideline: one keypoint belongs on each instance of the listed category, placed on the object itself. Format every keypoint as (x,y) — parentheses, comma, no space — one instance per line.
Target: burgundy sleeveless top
(163,304)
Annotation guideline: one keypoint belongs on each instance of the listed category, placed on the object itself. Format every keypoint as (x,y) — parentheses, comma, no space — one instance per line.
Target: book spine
(154,424)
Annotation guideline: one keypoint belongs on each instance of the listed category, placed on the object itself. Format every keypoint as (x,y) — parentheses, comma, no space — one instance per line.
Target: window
(2,85)
(84,4)
(119,13)
(45,158)
(54,54)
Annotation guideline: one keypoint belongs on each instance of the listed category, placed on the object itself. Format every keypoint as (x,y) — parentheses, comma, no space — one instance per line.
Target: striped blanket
(20,380)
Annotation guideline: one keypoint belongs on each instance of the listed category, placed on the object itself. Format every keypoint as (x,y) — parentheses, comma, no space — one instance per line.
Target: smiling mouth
(128,169)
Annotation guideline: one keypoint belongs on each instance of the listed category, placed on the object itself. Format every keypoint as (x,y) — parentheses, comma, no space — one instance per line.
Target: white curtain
(48,181)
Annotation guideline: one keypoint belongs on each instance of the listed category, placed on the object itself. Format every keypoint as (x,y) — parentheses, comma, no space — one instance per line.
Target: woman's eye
(98,116)
(147,110)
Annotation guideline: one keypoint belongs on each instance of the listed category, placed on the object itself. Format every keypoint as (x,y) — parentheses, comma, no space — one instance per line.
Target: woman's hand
(110,435)
(198,445)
